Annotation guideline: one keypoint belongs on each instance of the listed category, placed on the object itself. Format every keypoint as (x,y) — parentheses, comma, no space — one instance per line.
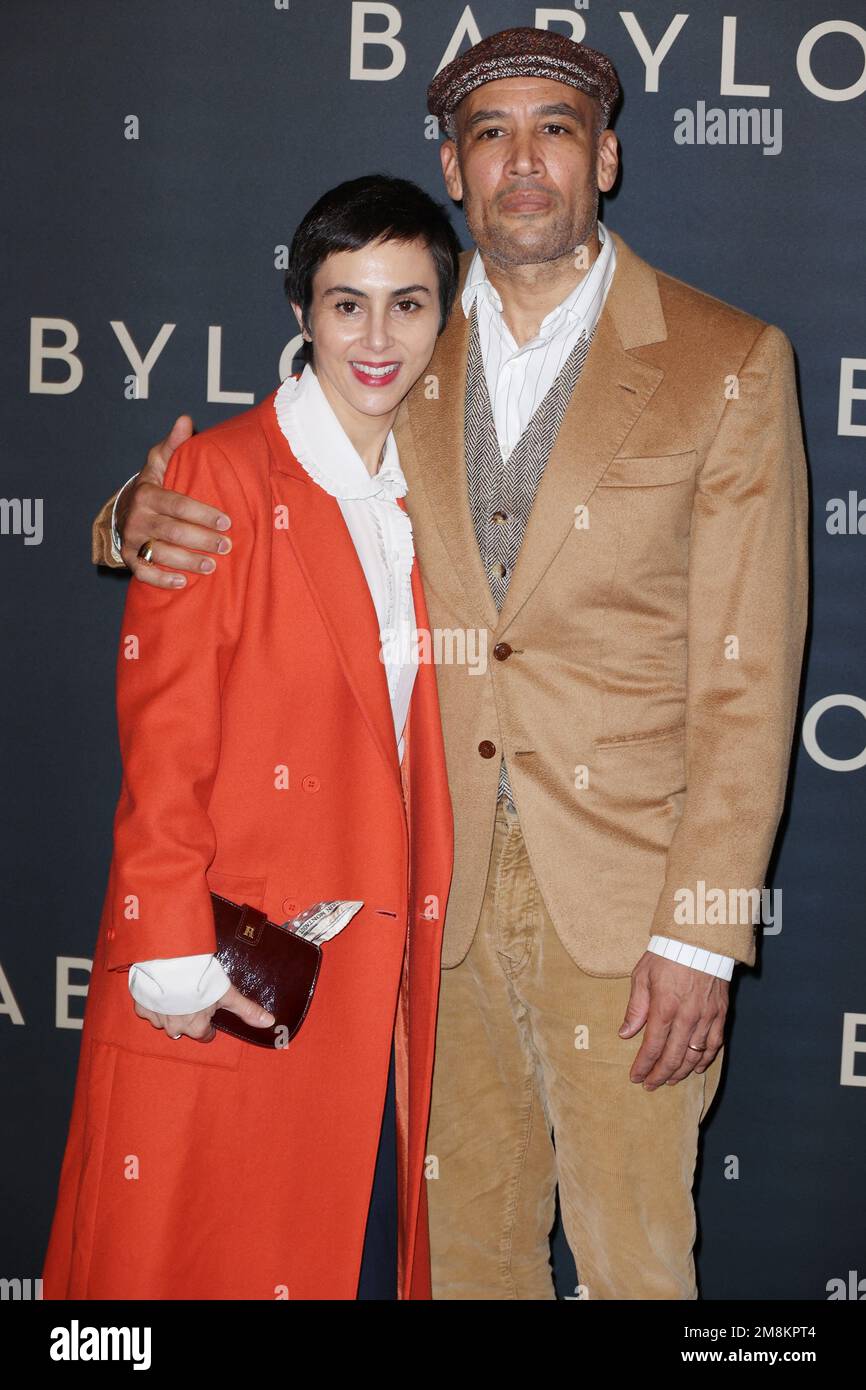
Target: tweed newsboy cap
(524,52)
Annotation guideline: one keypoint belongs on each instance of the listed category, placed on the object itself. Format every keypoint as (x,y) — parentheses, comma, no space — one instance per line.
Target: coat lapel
(329,562)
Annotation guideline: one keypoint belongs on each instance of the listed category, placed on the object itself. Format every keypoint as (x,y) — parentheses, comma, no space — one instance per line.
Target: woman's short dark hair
(360,211)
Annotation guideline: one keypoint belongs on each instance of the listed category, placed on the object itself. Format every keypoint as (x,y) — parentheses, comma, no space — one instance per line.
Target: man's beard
(558,239)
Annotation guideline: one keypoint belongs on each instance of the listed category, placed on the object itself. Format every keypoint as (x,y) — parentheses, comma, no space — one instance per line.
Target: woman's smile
(375,373)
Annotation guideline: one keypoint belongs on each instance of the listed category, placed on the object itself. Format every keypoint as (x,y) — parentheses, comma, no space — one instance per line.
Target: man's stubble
(557,239)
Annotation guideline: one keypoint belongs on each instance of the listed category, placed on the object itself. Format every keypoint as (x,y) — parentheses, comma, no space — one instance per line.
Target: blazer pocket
(650,471)
(635,740)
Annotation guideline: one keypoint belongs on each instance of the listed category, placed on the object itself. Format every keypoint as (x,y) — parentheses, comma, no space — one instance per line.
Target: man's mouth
(375,373)
(525,202)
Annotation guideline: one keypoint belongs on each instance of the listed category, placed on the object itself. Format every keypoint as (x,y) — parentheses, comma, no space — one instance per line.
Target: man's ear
(451,170)
(607,161)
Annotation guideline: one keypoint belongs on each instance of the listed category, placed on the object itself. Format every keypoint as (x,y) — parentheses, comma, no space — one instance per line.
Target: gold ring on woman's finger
(145,553)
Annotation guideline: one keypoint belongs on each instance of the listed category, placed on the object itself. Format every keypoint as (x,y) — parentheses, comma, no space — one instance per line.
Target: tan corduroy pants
(530,1091)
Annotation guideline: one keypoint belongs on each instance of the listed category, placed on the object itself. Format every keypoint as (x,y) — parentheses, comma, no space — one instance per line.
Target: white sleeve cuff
(179,985)
(695,956)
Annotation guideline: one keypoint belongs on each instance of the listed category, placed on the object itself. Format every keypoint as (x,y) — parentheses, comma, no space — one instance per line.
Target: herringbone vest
(501,492)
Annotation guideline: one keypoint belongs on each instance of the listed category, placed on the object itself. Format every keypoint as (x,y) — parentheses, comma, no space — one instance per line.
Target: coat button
(502,651)
(497,570)
(486,748)
(499,518)
(311,784)
(290,906)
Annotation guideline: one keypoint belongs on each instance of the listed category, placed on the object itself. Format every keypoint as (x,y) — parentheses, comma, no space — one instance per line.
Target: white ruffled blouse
(380,529)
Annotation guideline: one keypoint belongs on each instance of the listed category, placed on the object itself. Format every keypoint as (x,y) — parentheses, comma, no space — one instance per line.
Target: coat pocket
(238,888)
(650,471)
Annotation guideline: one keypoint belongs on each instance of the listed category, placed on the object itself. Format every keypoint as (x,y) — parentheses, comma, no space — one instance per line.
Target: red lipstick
(375,373)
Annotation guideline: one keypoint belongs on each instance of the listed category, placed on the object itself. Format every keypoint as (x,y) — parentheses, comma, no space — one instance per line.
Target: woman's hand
(198,1026)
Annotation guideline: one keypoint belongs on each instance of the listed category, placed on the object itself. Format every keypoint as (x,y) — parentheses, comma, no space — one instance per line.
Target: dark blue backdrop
(156,159)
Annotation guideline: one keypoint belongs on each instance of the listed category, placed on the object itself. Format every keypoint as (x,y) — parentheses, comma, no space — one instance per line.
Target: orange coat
(259,760)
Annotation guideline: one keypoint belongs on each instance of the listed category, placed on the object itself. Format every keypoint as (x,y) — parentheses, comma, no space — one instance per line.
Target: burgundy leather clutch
(268,963)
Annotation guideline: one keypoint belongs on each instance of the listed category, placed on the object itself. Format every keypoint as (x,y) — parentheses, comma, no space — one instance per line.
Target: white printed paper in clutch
(323,921)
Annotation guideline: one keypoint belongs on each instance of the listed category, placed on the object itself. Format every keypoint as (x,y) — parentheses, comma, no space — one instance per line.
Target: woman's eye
(410,305)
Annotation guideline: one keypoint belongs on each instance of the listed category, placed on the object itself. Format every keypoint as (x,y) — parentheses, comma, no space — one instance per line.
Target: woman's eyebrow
(350,289)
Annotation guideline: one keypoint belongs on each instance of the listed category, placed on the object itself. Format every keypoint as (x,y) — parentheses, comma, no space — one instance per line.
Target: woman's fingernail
(223,523)
(224,546)
(207,565)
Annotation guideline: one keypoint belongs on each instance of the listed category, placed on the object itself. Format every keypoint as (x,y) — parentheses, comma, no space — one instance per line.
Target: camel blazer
(260,762)
(642,677)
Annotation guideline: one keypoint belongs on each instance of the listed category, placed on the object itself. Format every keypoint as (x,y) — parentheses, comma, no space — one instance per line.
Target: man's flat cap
(524,53)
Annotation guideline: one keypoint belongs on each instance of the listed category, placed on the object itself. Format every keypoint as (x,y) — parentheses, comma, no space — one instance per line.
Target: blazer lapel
(329,562)
(612,391)
(614,388)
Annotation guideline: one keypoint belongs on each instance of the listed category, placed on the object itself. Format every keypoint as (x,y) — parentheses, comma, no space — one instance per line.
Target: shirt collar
(582,305)
(324,450)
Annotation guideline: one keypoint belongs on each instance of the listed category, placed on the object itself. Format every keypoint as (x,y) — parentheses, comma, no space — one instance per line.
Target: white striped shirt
(518,378)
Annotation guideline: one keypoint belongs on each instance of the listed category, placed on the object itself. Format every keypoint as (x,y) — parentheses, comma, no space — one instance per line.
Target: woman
(278,751)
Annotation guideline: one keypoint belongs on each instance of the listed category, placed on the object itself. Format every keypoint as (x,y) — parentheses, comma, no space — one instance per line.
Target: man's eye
(491,130)
(346,304)
(554,126)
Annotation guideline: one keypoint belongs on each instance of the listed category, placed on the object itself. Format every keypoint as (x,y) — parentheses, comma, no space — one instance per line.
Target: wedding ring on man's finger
(145,553)
(696,1049)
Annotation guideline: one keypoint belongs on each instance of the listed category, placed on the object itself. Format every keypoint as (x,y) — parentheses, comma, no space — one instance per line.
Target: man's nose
(525,156)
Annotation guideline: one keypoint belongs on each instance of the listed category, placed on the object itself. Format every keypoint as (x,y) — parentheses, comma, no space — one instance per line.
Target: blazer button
(502,651)
(486,748)
(497,570)
(311,784)
(290,907)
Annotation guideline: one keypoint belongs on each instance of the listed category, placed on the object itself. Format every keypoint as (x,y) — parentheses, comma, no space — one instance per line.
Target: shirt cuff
(115,534)
(179,985)
(720,966)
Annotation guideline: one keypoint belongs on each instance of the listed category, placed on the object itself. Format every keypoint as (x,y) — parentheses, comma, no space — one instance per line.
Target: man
(606,481)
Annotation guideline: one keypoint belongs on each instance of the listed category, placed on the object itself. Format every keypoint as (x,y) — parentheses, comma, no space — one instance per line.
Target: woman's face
(373,322)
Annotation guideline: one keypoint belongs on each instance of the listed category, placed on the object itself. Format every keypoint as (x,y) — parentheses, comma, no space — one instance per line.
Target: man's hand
(177,524)
(198,1026)
(679,1005)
